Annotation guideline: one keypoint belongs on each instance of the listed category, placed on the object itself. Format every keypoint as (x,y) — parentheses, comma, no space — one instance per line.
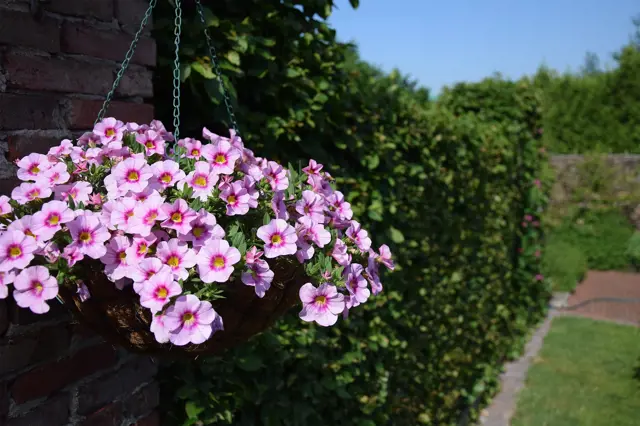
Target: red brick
(41,345)
(119,383)
(136,81)
(4,318)
(57,74)
(16,354)
(22,145)
(101,9)
(130,13)
(143,401)
(53,412)
(44,380)
(82,112)
(28,112)
(17,315)
(20,29)
(152,419)
(85,40)
(111,415)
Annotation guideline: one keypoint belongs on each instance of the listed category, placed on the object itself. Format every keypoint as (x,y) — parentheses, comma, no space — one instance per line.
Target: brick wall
(55,70)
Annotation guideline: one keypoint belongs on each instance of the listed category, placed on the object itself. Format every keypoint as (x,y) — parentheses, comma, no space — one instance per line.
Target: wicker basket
(118,317)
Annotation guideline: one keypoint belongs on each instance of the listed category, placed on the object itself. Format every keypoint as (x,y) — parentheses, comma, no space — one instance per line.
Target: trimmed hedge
(448,185)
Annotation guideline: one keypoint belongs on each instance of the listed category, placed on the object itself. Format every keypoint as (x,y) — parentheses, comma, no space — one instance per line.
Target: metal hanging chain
(125,63)
(214,61)
(177,31)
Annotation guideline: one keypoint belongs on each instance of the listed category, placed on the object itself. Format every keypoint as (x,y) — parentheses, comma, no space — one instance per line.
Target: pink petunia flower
(249,184)
(202,180)
(193,148)
(83,292)
(165,174)
(384,257)
(78,191)
(5,207)
(356,285)
(122,215)
(313,168)
(278,206)
(72,255)
(177,256)
(260,276)
(88,235)
(115,259)
(109,130)
(341,208)
(279,238)
(25,225)
(276,176)
(158,290)
(33,287)
(204,228)
(28,191)
(315,232)
(322,304)
(140,248)
(61,150)
(372,275)
(359,236)
(340,253)
(49,220)
(89,139)
(132,175)
(146,215)
(179,216)
(221,155)
(16,250)
(55,175)
(6,278)
(152,142)
(31,167)
(237,199)
(189,320)
(162,131)
(159,330)
(216,260)
(144,270)
(312,206)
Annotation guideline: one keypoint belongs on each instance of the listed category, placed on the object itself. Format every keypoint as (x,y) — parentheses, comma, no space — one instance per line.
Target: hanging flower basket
(180,246)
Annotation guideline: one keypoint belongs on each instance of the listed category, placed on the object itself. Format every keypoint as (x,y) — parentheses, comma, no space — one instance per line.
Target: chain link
(125,63)
(177,31)
(214,61)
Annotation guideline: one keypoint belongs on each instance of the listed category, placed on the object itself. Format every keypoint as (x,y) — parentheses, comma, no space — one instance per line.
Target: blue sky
(443,42)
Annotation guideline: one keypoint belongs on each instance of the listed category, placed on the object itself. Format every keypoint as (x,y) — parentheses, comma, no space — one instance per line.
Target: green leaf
(266,219)
(250,363)
(192,410)
(203,69)
(396,235)
(233,57)
(354,3)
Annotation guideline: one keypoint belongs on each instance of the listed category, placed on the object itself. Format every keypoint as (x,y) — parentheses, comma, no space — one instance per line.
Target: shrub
(633,250)
(564,264)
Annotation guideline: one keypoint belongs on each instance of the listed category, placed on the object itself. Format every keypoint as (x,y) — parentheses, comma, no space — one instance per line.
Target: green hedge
(447,185)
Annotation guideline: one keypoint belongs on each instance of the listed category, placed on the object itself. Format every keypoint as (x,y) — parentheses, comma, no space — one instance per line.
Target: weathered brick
(16,353)
(53,412)
(4,318)
(130,13)
(111,415)
(45,344)
(82,112)
(136,82)
(25,145)
(7,185)
(20,29)
(48,378)
(142,401)
(101,391)
(101,9)
(4,402)
(57,74)
(153,419)
(21,145)
(86,40)
(28,112)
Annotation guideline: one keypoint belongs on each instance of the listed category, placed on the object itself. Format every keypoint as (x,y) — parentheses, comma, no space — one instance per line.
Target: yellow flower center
(221,159)
(200,181)
(38,287)
(195,152)
(133,176)
(54,219)
(162,293)
(152,216)
(197,232)
(173,261)
(231,199)
(276,239)
(166,178)
(142,249)
(176,217)
(29,233)
(15,251)
(188,318)
(110,132)
(130,213)
(85,237)
(320,300)
(34,194)
(122,255)
(218,261)
(35,170)
(149,144)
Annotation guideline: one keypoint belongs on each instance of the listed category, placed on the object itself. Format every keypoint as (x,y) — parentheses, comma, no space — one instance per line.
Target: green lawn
(584,376)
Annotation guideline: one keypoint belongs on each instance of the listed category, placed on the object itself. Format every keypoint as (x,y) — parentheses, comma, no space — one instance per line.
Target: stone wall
(55,69)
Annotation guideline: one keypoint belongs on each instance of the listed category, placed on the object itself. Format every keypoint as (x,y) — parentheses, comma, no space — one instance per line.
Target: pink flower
(384,257)
(140,248)
(165,174)
(216,260)
(539,277)
(144,270)
(193,148)
(305,249)
(276,176)
(249,184)
(56,175)
(61,150)
(221,155)
(72,255)
(372,275)
(162,131)
(146,215)
(177,256)
(28,191)
(359,236)
(83,292)
(322,304)
(115,259)
(312,206)
(33,287)
(537,253)
(6,278)
(313,168)
(88,236)
(51,252)
(132,175)
(340,253)
(528,218)
(49,220)
(16,250)
(159,330)
(32,166)
(278,205)
(356,285)
(202,180)
(78,191)
(237,199)
(158,290)
(87,139)
(152,142)
(260,276)
(25,225)
(123,214)
(109,130)
(537,183)
(179,216)
(279,238)
(5,207)
(203,229)
(189,320)
(315,232)
(341,208)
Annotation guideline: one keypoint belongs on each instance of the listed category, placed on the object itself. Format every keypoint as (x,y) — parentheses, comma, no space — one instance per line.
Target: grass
(564,264)
(584,376)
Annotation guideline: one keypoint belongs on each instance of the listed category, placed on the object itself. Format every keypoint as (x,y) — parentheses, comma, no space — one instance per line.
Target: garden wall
(56,67)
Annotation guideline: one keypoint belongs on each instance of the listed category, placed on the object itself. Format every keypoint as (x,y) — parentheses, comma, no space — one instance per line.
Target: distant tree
(591,64)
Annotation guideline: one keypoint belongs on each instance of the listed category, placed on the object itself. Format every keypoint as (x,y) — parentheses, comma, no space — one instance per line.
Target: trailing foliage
(456,186)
